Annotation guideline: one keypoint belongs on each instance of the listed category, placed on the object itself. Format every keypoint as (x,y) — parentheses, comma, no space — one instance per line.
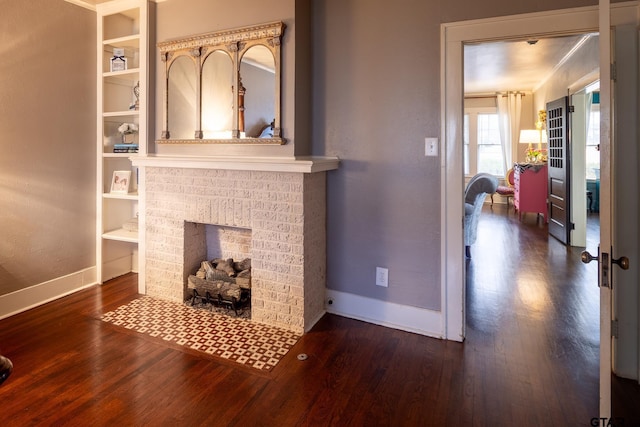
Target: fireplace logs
(222,281)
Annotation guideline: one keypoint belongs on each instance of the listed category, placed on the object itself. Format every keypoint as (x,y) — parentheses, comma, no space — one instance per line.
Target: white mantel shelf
(304,164)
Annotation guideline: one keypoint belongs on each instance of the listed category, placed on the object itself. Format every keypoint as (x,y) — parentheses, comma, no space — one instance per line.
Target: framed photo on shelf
(120,182)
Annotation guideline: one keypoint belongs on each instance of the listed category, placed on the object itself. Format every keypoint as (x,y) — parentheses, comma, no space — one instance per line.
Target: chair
(506,190)
(474,195)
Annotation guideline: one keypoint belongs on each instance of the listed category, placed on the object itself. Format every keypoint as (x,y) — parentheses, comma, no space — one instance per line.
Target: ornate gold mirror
(223,87)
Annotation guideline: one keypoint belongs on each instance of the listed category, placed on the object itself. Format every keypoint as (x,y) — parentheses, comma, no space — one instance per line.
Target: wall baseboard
(119,266)
(42,293)
(406,318)
(391,315)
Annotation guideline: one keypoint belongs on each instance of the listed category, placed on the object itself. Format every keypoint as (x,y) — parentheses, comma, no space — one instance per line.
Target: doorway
(552,23)
(509,279)
(574,21)
(454,37)
(585,155)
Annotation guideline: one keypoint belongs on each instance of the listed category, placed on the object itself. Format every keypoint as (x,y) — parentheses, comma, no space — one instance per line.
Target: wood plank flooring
(530,358)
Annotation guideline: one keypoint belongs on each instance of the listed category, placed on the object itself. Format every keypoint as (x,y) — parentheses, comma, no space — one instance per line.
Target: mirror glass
(217,96)
(223,87)
(257,71)
(182,98)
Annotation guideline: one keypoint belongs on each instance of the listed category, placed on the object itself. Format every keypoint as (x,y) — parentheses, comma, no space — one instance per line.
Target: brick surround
(285,213)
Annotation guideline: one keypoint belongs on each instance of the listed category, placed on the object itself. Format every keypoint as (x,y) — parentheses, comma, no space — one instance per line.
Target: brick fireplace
(281,204)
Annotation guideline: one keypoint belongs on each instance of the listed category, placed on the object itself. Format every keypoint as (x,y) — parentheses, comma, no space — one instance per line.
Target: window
(482,146)
(467,153)
(593,143)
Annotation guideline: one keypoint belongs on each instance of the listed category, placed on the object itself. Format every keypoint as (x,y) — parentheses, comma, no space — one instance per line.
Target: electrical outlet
(382,277)
(431,146)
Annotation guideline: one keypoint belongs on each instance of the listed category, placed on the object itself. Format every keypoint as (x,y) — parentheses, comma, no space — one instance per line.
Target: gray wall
(47,141)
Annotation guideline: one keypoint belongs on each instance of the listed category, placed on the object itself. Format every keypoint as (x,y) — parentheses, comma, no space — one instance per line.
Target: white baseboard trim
(42,293)
(406,318)
(117,267)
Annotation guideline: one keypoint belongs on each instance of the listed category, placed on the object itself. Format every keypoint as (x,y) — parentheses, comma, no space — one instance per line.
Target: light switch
(382,277)
(431,146)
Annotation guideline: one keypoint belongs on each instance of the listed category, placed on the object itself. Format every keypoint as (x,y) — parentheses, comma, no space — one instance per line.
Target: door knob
(586,257)
(622,262)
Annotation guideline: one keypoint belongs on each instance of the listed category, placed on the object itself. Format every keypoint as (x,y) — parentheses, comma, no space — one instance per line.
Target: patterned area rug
(237,339)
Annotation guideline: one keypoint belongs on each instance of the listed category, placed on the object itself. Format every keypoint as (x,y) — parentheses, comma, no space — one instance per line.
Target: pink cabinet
(530,182)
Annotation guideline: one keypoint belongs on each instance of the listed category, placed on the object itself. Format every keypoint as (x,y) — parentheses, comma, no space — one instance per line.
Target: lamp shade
(530,136)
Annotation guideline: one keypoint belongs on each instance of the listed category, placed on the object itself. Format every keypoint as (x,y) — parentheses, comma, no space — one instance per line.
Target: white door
(618,219)
(604,279)
(626,211)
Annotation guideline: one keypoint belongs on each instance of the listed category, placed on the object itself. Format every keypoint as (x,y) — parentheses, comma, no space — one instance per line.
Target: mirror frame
(235,43)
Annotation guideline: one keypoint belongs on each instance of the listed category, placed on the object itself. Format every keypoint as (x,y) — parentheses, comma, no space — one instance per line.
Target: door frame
(453,37)
(578,98)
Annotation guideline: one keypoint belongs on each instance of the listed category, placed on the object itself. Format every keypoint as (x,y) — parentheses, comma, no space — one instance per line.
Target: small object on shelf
(128,132)
(118,61)
(136,93)
(129,138)
(125,148)
(131,225)
(120,182)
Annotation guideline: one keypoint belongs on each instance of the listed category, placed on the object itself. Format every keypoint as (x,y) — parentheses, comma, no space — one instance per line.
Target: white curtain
(509,111)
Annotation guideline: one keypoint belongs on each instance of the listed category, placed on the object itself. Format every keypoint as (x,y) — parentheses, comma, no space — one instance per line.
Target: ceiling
(516,65)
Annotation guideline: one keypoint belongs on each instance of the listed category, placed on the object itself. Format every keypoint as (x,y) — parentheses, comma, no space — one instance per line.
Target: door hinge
(614,72)
(614,328)
(572,109)
(572,226)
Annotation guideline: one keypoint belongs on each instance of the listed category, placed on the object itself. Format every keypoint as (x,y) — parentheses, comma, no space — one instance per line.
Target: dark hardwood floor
(530,358)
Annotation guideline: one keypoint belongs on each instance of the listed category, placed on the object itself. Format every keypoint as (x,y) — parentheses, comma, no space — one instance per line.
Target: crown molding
(91,4)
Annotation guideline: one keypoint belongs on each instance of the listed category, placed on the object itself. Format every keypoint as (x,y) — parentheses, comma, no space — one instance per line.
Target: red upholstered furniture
(531,189)
(506,190)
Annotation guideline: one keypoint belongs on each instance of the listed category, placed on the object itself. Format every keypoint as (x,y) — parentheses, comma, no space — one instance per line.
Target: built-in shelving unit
(121,24)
